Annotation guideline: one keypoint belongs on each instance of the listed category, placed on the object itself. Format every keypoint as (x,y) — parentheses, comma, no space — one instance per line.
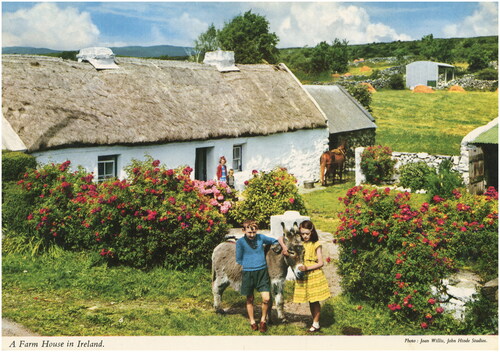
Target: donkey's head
(295,248)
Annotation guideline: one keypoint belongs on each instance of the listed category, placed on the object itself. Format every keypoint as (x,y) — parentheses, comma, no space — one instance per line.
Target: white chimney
(101,58)
(223,60)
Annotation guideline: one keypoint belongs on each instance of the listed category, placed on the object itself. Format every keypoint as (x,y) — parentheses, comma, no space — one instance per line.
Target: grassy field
(433,123)
(68,294)
(74,294)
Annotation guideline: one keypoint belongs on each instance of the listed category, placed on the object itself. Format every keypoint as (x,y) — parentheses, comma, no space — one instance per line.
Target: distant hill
(153,51)
(27,50)
(135,51)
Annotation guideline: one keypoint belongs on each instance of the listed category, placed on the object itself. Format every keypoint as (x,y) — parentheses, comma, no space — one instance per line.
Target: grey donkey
(226,272)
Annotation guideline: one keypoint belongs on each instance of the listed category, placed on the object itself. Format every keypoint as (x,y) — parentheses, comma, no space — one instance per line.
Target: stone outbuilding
(479,158)
(348,120)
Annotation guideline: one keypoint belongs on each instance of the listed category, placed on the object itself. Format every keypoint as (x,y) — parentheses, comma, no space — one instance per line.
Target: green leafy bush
(396,82)
(481,317)
(361,94)
(266,194)
(393,253)
(377,164)
(489,74)
(472,222)
(414,175)
(444,182)
(375,74)
(16,206)
(15,164)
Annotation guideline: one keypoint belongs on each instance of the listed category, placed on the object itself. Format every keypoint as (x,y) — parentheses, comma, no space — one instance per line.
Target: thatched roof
(344,113)
(54,103)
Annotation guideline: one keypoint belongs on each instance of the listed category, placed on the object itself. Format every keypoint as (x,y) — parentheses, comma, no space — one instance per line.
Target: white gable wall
(298,151)
(419,72)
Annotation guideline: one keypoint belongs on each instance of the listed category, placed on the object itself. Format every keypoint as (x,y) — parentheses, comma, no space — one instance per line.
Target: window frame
(105,160)
(237,162)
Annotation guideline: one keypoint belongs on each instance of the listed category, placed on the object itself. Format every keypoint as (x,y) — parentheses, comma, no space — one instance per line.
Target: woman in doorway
(222,170)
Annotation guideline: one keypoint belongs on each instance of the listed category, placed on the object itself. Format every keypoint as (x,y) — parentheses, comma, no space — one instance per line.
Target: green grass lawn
(433,123)
(323,205)
(75,294)
(70,294)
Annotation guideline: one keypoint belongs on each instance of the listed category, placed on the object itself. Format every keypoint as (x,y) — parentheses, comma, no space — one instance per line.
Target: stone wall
(468,82)
(406,158)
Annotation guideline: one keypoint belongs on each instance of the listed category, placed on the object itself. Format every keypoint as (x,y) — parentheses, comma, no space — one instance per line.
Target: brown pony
(332,164)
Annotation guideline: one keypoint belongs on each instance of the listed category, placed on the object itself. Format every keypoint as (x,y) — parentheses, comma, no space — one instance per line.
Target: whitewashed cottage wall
(298,151)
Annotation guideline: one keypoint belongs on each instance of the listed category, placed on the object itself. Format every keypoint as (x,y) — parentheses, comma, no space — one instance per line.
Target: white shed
(427,73)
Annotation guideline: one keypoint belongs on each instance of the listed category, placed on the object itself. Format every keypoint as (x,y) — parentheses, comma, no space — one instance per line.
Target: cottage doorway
(201,167)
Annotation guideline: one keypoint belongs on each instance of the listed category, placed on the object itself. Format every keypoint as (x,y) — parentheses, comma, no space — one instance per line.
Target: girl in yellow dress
(313,287)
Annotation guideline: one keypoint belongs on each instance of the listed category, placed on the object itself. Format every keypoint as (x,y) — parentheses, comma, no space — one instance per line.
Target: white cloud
(300,24)
(47,25)
(188,27)
(484,21)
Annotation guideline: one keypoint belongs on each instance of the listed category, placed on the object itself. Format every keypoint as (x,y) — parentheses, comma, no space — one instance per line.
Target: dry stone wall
(403,158)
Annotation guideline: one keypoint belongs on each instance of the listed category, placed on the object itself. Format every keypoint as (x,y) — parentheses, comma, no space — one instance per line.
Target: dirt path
(10,328)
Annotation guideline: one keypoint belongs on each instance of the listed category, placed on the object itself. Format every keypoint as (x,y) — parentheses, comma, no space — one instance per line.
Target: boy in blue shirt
(250,255)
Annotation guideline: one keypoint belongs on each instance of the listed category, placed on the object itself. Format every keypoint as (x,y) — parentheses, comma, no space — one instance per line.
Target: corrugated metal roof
(344,113)
(432,63)
(10,139)
(489,136)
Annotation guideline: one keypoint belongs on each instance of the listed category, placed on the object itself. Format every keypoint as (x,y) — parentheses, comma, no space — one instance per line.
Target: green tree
(321,57)
(340,56)
(333,57)
(445,51)
(400,54)
(429,47)
(206,41)
(477,58)
(249,37)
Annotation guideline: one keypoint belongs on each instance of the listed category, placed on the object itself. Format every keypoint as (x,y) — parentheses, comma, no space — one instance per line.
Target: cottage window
(107,167)
(238,157)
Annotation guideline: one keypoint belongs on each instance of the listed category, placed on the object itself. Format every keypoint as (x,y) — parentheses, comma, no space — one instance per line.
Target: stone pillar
(288,218)
(360,177)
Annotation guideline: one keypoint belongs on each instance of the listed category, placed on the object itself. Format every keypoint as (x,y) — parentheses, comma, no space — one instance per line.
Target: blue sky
(73,25)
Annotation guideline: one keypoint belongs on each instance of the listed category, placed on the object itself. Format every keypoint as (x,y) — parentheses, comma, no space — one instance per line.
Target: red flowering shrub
(53,215)
(393,253)
(266,194)
(377,164)
(157,217)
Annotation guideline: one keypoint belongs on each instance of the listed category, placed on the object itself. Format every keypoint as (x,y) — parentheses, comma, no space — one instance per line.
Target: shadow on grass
(240,309)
